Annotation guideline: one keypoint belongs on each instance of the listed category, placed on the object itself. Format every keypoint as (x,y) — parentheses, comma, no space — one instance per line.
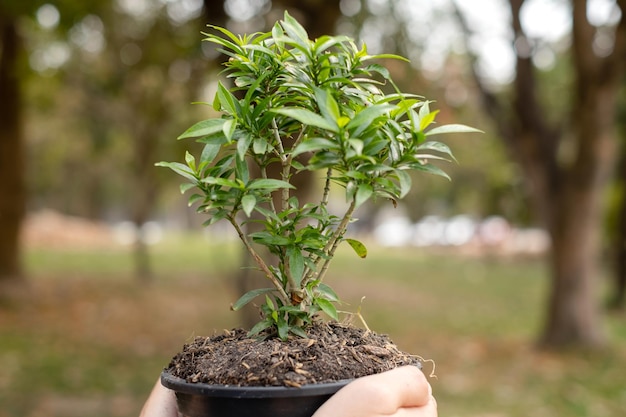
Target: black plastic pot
(203,400)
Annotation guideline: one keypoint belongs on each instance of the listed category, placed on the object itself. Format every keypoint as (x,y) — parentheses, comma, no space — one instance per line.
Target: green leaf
(180,169)
(382,56)
(357,145)
(327,104)
(358,247)
(431,169)
(298,332)
(424,111)
(327,307)
(307,117)
(277,33)
(432,145)
(193,199)
(241,170)
(296,264)
(428,119)
(220,215)
(224,182)
(260,326)
(226,100)
(248,202)
(252,88)
(324,42)
(203,128)
(209,152)
(315,145)
(282,327)
(294,30)
(259,146)
(229,128)
(268,184)
(236,41)
(216,138)
(186,187)
(243,144)
(265,238)
(363,193)
(405,182)
(190,160)
(327,292)
(249,296)
(363,119)
(452,128)
(379,69)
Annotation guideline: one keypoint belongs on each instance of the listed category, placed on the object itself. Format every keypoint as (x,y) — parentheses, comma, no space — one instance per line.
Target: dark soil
(332,352)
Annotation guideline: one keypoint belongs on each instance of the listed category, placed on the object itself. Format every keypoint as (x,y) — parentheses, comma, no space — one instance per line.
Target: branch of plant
(308,274)
(259,261)
(283,163)
(293,288)
(286,161)
(326,194)
(333,243)
(264,176)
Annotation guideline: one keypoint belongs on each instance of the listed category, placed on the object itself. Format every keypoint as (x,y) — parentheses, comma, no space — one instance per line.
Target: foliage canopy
(305,105)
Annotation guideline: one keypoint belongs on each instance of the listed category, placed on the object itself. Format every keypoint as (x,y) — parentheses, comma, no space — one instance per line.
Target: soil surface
(332,352)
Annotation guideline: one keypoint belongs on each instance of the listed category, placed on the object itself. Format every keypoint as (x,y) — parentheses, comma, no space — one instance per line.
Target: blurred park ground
(88,339)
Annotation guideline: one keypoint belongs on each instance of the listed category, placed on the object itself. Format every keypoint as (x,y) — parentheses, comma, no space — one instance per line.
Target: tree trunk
(617,300)
(146,125)
(617,295)
(577,215)
(572,313)
(12,189)
(566,190)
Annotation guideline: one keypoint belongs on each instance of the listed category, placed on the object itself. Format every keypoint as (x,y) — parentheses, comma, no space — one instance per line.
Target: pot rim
(230,391)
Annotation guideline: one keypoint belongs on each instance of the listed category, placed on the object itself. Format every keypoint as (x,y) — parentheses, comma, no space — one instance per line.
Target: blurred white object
(459,230)
(395,231)
(127,233)
(429,231)
(494,230)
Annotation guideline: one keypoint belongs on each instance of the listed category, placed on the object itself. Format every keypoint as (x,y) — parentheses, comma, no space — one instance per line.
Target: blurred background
(511,277)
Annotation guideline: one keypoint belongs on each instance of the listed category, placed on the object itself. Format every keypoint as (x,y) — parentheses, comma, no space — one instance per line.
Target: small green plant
(305,105)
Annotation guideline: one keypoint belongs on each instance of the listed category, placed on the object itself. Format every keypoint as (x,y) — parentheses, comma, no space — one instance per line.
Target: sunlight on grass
(89,340)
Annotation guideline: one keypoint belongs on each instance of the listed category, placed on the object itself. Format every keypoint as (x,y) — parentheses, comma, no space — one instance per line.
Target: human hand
(401,392)
(161,403)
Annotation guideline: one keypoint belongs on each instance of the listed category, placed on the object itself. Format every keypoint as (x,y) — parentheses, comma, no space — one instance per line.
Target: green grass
(87,340)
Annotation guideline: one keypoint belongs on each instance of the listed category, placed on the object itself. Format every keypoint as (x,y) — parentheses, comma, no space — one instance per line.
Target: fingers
(428,410)
(401,390)
(409,385)
(401,387)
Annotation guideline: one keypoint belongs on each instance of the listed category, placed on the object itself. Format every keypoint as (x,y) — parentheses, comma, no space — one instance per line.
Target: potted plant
(299,105)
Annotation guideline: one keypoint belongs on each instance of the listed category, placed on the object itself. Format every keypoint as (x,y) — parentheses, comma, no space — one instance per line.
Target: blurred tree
(157,72)
(13,73)
(12,187)
(618,300)
(567,165)
(617,226)
(131,67)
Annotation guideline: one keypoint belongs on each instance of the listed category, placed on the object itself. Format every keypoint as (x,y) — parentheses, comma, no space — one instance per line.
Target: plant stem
(271,200)
(333,243)
(257,259)
(284,196)
(284,163)
(326,195)
(308,273)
